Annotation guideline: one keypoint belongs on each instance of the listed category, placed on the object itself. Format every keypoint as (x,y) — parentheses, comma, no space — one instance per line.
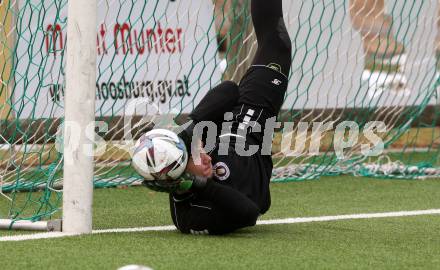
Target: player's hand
(203,168)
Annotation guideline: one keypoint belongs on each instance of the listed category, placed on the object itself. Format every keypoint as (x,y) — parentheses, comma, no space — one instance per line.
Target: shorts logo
(276,82)
(275,67)
(221,171)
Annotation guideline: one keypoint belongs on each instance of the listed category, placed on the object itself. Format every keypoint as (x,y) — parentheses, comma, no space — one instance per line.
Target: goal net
(359,67)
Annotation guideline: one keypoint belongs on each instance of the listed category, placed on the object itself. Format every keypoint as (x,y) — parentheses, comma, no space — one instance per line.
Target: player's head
(160,155)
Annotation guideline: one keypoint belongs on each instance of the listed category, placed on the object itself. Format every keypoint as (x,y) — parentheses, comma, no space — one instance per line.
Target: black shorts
(261,95)
(263,88)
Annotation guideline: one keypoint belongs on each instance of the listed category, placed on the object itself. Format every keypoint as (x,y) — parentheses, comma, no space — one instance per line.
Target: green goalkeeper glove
(185,183)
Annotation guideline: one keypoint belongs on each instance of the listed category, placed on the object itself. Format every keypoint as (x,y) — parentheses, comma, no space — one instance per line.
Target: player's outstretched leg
(261,91)
(274,44)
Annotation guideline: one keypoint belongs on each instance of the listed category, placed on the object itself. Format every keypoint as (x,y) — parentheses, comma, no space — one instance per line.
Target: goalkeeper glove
(186,183)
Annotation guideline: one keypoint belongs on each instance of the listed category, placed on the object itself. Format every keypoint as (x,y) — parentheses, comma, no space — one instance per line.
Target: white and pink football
(160,155)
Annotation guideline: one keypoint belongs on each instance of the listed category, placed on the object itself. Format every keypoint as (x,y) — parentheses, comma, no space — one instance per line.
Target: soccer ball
(160,155)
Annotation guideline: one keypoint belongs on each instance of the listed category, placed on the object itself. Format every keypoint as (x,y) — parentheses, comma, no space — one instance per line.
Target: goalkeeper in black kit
(228,191)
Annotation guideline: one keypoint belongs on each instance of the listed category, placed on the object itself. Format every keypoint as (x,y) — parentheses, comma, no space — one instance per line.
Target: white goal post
(80,112)
(79,116)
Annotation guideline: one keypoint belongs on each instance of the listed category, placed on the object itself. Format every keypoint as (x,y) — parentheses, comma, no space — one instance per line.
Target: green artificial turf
(388,243)
(394,243)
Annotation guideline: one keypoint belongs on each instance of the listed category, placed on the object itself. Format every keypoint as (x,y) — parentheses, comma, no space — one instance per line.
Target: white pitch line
(49,235)
(139,229)
(349,217)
